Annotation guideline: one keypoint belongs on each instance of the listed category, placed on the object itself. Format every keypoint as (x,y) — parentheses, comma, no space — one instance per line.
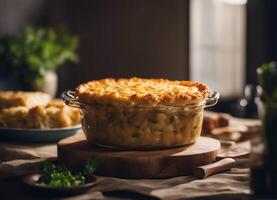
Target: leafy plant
(31,53)
(267,75)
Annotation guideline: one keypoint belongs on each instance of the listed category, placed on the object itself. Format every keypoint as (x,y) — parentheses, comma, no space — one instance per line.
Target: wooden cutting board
(75,150)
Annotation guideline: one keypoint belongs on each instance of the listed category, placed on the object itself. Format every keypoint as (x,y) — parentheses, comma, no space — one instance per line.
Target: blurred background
(218,42)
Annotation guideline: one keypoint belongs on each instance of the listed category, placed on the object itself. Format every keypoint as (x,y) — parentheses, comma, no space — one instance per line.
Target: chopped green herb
(59,176)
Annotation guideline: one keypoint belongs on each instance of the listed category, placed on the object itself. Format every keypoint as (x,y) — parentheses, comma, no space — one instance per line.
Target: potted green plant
(33,56)
(263,158)
(267,75)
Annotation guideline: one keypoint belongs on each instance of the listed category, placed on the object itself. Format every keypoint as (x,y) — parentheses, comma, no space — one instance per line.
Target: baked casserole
(27,99)
(140,113)
(53,115)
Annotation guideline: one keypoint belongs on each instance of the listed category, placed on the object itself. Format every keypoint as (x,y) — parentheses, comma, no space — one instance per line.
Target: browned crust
(53,115)
(140,92)
(18,98)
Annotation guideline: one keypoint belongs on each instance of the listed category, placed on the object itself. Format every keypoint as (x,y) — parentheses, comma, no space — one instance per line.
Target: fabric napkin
(20,159)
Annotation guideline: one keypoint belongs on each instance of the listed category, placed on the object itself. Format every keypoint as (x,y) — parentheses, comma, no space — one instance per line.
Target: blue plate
(37,135)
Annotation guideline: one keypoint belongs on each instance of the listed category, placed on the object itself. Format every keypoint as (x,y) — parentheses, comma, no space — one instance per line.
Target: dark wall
(261,35)
(119,38)
(126,38)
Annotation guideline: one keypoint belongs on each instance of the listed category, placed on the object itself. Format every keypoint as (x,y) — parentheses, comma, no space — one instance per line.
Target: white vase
(50,84)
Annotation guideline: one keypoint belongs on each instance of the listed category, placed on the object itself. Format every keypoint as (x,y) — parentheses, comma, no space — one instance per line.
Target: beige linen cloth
(19,159)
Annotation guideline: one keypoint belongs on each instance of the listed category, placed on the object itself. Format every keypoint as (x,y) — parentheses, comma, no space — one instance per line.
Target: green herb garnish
(59,176)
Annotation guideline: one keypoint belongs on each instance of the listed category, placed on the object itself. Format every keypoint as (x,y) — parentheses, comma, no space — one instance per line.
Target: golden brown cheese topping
(28,99)
(141,92)
(53,115)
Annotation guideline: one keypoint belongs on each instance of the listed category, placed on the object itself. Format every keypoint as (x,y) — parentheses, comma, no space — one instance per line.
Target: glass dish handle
(70,99)
(212,99)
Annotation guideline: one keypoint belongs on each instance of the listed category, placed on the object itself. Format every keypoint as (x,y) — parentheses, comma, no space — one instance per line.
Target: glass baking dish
(141,127)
